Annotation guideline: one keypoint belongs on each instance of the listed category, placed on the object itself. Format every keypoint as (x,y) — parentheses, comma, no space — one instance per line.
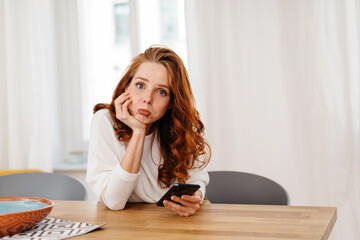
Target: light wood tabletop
(212,221)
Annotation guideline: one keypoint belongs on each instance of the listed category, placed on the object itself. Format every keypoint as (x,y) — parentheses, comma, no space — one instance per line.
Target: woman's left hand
(190,204)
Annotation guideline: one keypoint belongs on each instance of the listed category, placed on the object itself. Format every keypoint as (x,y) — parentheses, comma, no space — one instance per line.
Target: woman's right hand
(122,113)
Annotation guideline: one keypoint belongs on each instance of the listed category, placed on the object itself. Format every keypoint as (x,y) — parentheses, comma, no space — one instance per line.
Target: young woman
(149,137)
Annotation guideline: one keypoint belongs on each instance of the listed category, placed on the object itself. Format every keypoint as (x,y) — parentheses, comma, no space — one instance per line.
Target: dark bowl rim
(50,204)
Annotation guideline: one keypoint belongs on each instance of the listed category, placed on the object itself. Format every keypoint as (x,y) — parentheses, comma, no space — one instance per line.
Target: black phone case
(178,189)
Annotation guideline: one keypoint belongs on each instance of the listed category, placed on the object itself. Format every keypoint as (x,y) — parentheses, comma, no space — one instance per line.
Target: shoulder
(102,114)
(101,119)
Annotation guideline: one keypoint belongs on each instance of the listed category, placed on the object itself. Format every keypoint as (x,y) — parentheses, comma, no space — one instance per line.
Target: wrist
(140,132)
(199,193)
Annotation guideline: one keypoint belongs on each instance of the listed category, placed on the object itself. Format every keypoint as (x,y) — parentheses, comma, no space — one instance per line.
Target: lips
(144,112)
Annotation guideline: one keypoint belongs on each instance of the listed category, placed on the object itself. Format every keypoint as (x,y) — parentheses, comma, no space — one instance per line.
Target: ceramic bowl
(16,222)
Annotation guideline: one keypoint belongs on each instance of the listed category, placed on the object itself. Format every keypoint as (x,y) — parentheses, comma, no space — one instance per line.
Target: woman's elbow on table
(114,205)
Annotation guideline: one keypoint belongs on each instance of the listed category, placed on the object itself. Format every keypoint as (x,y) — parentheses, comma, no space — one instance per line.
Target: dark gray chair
(53,186)
(244,188)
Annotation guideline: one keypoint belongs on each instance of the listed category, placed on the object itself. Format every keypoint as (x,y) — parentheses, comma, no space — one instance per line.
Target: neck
(150,129)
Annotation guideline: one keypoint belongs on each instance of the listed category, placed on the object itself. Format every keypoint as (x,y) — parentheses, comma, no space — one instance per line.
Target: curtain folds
(27,74)
(277,84)
(40,119)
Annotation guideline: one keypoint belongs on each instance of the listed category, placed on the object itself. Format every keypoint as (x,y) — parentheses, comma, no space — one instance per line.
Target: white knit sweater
(112,184)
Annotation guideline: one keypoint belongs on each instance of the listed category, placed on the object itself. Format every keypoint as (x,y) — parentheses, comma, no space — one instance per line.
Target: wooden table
(212,221)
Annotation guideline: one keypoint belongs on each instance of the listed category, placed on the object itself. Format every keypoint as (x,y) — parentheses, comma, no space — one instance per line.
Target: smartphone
(178,189)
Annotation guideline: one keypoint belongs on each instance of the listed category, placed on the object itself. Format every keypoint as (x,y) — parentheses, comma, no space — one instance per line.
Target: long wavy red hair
(180,130)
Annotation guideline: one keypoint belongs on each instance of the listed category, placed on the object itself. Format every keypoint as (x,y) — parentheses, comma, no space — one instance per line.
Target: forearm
(105,177)
(132,158)
(122,180)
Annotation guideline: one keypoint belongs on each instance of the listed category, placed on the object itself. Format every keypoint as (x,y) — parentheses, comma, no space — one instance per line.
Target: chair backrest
(244,188)
(53,186)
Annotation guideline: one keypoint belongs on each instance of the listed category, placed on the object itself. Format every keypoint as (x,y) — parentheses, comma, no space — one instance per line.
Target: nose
(147,97)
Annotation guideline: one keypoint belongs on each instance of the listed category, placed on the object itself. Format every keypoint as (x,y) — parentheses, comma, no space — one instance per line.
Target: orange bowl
(16,222)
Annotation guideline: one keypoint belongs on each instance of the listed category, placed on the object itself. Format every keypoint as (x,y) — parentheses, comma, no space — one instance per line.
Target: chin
(143,119)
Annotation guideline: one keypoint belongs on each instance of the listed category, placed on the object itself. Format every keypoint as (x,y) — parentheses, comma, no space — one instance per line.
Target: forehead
(153,72)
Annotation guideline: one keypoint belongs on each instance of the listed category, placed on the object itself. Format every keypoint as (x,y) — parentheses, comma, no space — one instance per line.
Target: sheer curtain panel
(27,76)
(277,83)
(39,82)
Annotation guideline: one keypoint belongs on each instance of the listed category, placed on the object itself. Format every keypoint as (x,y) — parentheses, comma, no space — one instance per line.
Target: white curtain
(39,82)
(27,74)
(277,83)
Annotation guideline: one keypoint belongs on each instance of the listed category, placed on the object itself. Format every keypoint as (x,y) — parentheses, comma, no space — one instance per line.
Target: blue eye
(140,85)
(162,92)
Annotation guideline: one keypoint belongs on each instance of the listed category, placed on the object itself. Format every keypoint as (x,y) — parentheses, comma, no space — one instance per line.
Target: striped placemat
(52,228)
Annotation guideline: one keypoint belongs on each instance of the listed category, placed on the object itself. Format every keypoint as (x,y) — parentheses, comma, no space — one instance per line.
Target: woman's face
(150,93)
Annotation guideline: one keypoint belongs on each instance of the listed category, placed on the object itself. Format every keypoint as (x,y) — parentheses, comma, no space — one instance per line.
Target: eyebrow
(147,80)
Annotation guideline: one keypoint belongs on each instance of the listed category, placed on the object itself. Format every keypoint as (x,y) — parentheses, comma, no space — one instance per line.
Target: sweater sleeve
(105,177)
(200,176)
